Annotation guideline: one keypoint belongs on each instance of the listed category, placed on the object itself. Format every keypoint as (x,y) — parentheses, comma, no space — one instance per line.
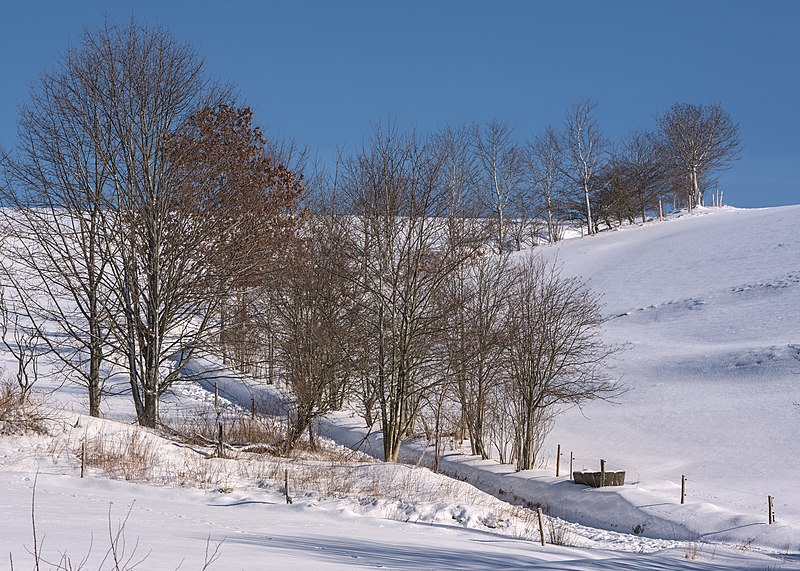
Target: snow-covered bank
(246,524)
(630,509)
(171,528)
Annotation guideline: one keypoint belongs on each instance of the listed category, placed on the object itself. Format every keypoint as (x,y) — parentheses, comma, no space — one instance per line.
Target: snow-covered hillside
(708,305)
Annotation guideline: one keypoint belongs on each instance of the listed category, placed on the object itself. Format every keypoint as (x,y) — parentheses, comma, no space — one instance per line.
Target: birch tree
(543,164)
(499,174)
(582,147)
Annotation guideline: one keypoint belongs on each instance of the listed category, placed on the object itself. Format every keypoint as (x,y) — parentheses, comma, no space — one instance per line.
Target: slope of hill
(708,305)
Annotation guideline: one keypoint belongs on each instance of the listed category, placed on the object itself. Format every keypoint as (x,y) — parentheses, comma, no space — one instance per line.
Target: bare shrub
(240,433)
(120,555)
(20,412)
(527,522)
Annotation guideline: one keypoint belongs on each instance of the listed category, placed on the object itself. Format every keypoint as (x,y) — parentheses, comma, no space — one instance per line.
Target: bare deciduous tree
(22,340)
(635,179)
(699,139)
(582,147)
(315,317)
(499,173)
(151,87)
(57,185)
(555,354)
(544,169)
(144,197)
(396,190)
(478,304)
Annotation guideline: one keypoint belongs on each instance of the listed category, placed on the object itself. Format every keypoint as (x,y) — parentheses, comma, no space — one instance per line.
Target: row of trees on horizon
(149,221)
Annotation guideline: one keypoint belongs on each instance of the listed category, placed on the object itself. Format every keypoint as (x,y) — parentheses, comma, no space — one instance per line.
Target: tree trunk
(551,237)
(697,195)
(149,417)
(94,381)
(588,209)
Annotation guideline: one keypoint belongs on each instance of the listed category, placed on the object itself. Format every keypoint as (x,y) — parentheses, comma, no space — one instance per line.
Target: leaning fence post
(286,485)
(541,525)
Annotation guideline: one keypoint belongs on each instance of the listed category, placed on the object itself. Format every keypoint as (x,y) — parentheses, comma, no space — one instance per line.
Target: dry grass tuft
(130,454)
(560,532)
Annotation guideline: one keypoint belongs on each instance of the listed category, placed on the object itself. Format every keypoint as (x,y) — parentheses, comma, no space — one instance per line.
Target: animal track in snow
(789,280)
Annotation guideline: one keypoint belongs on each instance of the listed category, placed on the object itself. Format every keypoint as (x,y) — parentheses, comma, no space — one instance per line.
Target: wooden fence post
(770,514)
(541,525)
(683,489)
(558,460)
(253,407)
(286,485)
(220,447)
(83,458)
(216,397)
(602,473)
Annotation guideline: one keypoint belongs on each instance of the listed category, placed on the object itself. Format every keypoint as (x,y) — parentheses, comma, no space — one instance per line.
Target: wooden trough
(599,479)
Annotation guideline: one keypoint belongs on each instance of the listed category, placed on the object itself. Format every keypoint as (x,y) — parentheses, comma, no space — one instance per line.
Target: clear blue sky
(323,72)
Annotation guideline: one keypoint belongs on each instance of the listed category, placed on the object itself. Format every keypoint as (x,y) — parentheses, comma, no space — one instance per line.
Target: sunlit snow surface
(708,305)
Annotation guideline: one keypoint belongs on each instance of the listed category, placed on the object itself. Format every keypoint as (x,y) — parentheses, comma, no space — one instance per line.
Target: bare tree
(543,164)
(315,317)
(555,354)
(499,174)
(145,198)
(202,211)
(151,86)
(396,190)
(23,342)
(466,222)
(582,147)
(476,339)
(699,139)
(56,189)
(635,178)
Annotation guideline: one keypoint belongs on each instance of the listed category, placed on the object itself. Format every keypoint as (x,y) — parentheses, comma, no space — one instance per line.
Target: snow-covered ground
(708,304)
